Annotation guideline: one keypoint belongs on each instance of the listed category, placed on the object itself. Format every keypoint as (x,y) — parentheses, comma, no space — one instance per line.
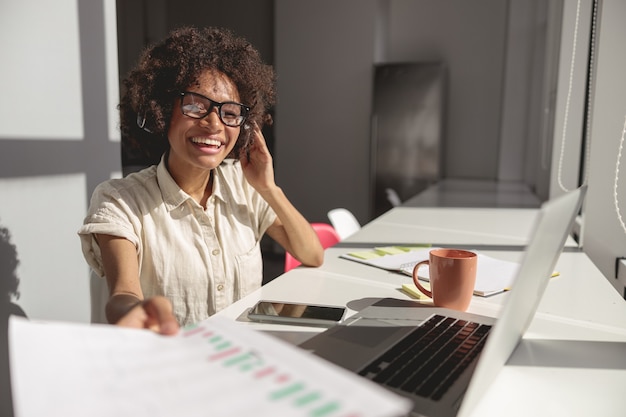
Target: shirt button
(220,287)
(215,252)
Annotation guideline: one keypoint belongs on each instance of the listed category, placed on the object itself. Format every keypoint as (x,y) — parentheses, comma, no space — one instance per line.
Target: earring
(141,122)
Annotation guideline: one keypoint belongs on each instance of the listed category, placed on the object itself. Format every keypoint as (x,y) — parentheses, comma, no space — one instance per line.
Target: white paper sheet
(493,275)
(217,368)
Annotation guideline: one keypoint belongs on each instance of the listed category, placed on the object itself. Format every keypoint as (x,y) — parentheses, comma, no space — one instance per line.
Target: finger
(257,135)
(260,140)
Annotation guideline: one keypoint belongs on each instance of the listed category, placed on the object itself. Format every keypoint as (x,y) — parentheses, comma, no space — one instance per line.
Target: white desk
(572,361)
(450,225)
(579,296)
(580,293)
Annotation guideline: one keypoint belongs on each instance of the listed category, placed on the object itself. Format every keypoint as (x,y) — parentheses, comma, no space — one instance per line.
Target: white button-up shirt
(201,259)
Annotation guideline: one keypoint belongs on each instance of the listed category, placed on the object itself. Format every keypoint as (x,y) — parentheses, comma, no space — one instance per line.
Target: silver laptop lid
(552,227)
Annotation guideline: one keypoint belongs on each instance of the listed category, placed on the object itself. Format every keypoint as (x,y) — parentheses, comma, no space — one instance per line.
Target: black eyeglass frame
(244,109)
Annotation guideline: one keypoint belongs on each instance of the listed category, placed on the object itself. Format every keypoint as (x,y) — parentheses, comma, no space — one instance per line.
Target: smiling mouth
(207,142)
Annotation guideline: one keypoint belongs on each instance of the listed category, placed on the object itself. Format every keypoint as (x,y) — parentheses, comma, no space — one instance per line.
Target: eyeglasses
(198,106)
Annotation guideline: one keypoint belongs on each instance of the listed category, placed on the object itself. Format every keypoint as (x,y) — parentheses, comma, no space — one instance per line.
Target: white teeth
(205,141)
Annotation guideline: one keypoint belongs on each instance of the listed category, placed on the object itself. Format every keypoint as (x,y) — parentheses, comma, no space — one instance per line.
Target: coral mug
(452,277)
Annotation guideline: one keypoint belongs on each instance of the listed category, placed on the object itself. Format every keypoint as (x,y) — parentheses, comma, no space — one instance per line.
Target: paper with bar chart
(216,368)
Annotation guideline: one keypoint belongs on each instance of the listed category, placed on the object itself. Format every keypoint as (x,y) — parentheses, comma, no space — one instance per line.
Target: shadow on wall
(9,283)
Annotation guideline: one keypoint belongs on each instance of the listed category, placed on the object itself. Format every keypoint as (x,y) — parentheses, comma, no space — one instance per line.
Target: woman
(190,227)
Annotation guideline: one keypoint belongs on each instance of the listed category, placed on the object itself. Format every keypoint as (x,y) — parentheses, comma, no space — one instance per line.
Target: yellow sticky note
(389,250)
(412,290)
(365,254)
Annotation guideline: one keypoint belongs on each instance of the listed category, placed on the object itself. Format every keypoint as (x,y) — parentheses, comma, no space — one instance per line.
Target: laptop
(391,341)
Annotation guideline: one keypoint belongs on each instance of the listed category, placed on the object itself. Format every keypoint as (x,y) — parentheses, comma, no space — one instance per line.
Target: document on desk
(217,368)
(493,275)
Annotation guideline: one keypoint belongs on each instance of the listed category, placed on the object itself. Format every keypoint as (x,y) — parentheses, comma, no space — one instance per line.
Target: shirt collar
(174,196)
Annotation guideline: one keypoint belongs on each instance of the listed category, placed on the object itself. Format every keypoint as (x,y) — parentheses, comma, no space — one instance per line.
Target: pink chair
(328,237)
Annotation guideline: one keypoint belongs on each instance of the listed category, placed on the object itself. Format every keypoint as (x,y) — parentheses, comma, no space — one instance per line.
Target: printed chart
(216,368)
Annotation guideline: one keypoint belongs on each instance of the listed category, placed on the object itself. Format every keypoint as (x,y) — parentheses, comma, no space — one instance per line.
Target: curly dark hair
(175,64)
(9,262)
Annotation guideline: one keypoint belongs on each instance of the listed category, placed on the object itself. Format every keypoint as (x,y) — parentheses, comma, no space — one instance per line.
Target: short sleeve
(108,214)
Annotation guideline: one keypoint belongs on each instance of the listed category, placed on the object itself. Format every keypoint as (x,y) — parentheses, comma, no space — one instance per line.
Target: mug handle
(416,280)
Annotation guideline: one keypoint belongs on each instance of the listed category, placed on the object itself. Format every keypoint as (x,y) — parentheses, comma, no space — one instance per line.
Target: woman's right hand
(154,313)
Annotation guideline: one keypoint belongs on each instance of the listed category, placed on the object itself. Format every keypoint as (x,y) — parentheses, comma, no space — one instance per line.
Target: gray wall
(325,64)
(469,37)
(324,60)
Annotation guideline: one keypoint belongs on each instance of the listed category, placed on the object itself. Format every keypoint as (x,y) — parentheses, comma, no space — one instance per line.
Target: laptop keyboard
(430,358)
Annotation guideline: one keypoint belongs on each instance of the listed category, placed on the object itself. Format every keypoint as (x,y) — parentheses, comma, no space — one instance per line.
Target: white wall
(604,237)
(571,97)
(58,139)
(22,79)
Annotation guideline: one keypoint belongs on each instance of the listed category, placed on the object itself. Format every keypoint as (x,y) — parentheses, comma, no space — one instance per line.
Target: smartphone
(296,313)
(247,139)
